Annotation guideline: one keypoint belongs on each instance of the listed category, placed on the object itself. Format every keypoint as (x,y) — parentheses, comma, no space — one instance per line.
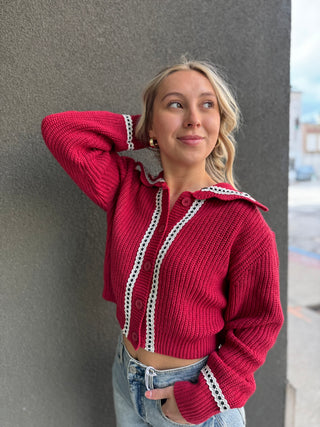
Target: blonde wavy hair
(219,163)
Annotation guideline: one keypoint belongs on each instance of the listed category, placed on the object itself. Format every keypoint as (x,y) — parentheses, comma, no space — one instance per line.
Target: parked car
(305,173)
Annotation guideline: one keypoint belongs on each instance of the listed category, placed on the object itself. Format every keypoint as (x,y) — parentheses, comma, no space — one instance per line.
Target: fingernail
(148,393)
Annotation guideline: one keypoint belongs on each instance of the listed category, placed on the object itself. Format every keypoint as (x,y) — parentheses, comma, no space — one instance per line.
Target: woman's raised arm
(86,145)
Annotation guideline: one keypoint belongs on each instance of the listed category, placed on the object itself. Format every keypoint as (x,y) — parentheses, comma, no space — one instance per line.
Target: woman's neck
(180,180)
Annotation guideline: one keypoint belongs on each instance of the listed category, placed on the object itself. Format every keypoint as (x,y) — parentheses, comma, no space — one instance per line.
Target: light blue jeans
(130,381)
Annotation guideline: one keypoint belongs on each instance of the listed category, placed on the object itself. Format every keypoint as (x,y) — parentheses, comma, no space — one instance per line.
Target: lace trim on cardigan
(215,389)
(227,191)
(129,126)
(139,260)
(150,334)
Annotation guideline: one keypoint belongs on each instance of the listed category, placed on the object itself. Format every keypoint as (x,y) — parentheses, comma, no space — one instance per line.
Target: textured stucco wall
(58,333)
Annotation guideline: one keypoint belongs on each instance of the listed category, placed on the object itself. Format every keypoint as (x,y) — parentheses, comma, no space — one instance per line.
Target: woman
(190,261)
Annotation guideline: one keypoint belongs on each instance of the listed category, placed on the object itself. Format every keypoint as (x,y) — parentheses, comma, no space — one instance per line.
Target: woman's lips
(191,139)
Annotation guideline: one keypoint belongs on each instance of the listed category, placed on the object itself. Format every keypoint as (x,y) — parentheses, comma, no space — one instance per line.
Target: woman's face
(186,119)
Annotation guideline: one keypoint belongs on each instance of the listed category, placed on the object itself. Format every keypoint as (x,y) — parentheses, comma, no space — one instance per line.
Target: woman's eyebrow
(208,94)
(212,94)
(172,94)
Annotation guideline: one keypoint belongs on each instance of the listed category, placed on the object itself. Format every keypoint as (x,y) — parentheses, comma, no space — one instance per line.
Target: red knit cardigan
(201,280)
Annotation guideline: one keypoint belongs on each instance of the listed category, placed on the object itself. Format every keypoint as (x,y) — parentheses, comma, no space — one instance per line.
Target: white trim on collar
(227,192)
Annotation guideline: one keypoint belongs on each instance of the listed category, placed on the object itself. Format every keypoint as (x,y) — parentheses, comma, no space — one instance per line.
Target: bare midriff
(156,360)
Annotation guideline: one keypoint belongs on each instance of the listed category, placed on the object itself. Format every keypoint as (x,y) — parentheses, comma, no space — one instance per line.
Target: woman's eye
(175,104)
(208,104)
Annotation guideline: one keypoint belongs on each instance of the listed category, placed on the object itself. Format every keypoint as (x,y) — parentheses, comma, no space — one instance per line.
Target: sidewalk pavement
(304,302)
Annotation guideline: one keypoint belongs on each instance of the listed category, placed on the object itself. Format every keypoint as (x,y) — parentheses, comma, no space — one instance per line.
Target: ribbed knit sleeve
(85,144)
(253,318)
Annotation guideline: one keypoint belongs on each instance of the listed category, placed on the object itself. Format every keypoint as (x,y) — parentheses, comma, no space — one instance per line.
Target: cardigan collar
(222,191)
(150,180)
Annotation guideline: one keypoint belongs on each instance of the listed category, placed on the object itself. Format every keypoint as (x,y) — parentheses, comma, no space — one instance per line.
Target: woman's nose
(192,119)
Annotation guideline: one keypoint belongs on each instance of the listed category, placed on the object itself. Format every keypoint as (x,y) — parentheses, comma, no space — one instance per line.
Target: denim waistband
(155,378)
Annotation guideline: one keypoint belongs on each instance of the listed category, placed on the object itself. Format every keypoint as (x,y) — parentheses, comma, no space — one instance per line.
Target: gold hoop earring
(153,143)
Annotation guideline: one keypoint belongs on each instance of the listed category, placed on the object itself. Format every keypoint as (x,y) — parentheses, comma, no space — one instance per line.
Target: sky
(305,55)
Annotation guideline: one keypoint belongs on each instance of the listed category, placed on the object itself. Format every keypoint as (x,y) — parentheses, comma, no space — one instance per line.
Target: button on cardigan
(199,280)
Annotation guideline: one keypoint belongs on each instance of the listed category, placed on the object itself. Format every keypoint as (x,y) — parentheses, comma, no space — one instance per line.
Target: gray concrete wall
(58,333)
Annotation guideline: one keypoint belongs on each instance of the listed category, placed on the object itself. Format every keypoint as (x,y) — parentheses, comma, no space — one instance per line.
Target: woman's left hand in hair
(170,407)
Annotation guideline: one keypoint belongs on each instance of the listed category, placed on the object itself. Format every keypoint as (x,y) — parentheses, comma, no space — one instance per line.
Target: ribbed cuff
(194,401)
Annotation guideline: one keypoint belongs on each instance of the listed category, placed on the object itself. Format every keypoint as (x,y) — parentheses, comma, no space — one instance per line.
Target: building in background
(304,145)
(295,134)
(311,145)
